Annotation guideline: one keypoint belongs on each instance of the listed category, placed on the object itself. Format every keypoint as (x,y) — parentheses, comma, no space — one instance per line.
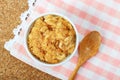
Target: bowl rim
(41,62)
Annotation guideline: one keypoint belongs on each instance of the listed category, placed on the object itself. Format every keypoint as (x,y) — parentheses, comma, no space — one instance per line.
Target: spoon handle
(72,76)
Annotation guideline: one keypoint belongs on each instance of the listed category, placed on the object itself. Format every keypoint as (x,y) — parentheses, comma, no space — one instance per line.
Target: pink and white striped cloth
(87,15)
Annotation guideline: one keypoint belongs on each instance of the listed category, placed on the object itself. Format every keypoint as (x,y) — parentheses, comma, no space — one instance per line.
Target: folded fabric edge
(41,68)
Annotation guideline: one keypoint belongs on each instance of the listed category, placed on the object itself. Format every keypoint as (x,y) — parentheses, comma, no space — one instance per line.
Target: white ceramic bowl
(43,63)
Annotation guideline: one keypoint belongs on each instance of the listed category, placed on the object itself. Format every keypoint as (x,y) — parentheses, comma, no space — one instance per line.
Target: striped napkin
(87,15)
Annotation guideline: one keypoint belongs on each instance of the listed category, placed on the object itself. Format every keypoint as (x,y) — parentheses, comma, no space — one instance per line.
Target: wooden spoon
(88,47)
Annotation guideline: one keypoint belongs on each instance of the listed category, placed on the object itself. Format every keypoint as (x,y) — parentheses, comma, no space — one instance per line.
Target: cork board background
(10,67)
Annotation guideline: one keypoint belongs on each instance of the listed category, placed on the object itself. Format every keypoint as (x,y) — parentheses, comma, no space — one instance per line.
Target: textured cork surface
(10,67)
